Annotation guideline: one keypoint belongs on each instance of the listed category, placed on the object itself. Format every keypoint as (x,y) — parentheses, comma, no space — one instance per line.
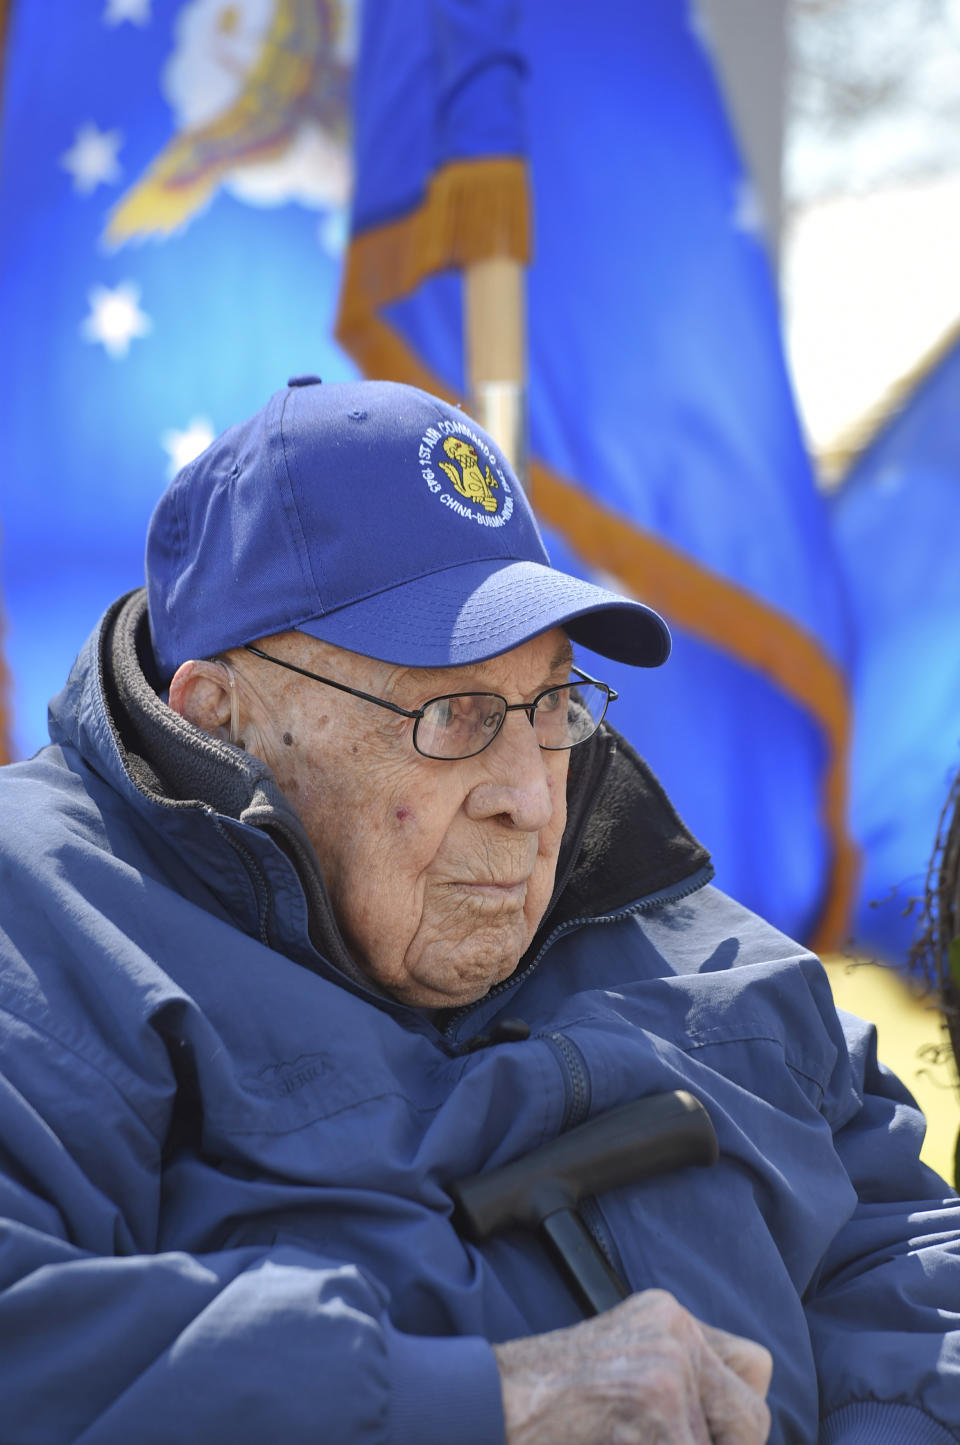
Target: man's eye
(551,701)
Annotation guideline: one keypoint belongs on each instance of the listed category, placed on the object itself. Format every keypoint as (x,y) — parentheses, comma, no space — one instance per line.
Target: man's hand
(645,1373)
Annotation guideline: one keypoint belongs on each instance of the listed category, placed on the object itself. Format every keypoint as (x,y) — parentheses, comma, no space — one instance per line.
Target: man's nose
(516,783)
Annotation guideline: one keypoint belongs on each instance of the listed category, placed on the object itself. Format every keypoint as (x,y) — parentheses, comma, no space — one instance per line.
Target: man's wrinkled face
(439,871)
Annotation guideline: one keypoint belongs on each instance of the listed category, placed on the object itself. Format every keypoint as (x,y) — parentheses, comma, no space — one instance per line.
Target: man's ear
(200,692)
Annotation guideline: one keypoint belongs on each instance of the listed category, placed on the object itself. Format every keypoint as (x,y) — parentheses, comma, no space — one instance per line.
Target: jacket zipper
(592,1216)
(260,886)
(576,1079)
(578,1107)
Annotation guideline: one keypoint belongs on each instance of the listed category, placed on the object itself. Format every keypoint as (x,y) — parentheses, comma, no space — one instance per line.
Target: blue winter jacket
(225,1161)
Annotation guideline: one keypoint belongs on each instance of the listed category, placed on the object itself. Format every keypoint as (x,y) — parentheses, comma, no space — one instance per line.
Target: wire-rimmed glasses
(461,724)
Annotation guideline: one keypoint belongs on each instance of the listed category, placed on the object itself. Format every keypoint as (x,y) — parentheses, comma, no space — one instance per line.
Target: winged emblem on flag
(259,89)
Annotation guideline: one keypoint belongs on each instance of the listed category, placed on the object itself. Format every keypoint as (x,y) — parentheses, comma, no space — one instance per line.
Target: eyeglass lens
(461,725)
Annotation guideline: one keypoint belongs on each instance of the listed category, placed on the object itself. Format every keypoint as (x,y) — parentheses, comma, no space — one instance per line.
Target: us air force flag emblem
(479,489)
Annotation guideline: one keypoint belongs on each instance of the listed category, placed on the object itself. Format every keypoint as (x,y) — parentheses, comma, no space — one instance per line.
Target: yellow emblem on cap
(474,485)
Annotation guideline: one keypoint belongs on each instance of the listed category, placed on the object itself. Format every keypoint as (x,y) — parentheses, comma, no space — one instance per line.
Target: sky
(871,198)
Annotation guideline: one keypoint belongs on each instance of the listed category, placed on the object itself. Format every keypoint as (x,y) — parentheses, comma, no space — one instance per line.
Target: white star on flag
(136,11)
(115,317)
(92,159)
(182,446)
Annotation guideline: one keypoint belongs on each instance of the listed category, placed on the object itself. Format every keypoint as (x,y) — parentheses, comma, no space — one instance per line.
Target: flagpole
(496,346)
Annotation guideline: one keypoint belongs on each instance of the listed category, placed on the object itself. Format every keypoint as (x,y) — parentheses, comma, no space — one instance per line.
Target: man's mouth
(502,892)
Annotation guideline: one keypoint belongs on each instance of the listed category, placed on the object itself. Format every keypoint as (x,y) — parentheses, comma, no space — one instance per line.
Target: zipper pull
(504,1031)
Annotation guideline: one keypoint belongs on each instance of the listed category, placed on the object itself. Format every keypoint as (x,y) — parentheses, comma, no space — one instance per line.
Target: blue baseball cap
(378,518)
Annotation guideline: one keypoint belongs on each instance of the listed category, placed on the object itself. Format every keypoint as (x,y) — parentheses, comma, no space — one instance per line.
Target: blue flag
(174,181)
(897,519)
(665,449)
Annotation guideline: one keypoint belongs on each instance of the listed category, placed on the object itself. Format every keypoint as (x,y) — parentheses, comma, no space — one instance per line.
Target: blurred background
(694,264)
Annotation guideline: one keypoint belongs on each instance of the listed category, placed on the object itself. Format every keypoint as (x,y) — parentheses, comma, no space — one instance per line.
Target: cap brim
(477,610)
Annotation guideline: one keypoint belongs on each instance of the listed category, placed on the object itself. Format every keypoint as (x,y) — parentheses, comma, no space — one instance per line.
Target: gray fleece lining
(175,762)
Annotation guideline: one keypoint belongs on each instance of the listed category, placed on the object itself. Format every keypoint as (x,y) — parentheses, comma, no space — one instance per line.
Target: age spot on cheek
(288,740)
(402,814)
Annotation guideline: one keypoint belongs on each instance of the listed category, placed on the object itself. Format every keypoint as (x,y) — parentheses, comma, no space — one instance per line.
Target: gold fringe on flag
(472,210)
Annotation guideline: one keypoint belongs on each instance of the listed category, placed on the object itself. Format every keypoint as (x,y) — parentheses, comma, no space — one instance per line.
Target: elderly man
(335,887)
